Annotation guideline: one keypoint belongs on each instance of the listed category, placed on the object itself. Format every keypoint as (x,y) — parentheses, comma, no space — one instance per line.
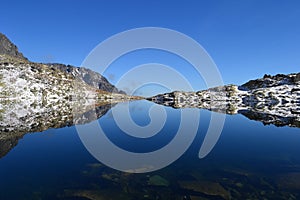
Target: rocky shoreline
(271,99)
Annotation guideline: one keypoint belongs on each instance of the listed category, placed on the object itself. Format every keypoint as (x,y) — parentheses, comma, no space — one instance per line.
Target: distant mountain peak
(8,48)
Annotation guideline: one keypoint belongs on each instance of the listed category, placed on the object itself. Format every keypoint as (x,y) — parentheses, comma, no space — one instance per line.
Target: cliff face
(271,100)
(88,76)
(8,48)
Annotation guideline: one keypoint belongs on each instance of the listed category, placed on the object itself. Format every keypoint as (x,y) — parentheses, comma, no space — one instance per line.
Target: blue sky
(246,39)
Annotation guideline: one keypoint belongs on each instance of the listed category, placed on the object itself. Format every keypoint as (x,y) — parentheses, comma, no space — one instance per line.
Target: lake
(250,160)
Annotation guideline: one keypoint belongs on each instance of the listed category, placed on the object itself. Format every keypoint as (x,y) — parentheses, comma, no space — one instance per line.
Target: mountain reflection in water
(17,118)
(242,165)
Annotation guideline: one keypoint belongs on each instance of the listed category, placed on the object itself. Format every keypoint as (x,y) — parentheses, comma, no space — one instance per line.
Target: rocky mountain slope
(271,99)
(88,76)
(8,48)
(9,54)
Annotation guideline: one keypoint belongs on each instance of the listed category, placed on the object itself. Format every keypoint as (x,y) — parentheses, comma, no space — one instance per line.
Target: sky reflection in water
(248,159)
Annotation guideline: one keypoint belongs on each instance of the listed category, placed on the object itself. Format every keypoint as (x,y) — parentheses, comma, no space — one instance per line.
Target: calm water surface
(249,161)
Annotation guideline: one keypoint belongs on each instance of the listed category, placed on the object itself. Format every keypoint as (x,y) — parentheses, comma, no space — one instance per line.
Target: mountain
(10,54)
(271,81)
(8,48)
(271,99)
(88,76)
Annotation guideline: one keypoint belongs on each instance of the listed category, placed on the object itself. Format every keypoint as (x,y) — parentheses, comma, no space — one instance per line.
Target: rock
(157,180)
(297,78)
(96,194)
(206,187)
(271,100)
(239,184)
(271,81)
(7,144)
(8,48)
(88,76)
(95,165)
(289,181)
(197,198)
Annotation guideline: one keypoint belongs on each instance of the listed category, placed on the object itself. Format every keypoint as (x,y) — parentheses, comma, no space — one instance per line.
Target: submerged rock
(97,194)
(157,180)
(206,187)
(289,181)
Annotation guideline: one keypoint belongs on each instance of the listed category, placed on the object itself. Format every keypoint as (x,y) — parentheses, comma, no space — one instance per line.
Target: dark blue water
(250,160)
